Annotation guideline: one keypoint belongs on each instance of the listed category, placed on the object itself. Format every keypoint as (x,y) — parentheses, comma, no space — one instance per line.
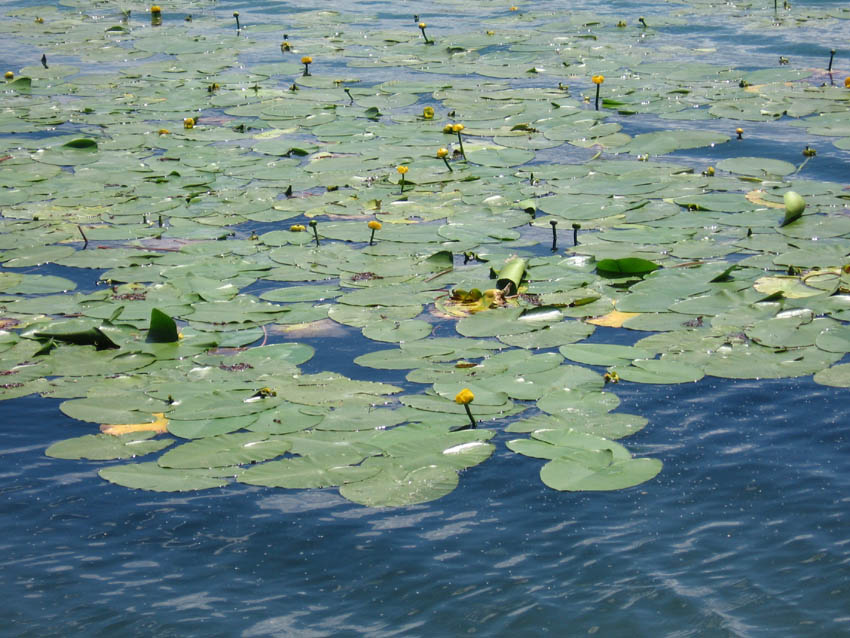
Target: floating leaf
(150,476)
(104,447)
(659,371)
(397,485)
(224,450)
(305,472)
(565,474)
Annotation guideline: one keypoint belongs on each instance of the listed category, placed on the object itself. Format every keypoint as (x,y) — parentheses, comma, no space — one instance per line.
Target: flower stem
(597,96)
(553,223)
(460,141)
(448,166)
(472,422)
(372,238)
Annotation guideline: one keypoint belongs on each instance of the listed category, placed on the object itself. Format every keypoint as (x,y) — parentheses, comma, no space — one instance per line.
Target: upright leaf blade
(162,329)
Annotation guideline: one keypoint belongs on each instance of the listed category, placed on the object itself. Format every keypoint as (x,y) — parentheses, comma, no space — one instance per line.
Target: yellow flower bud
(402,169)
(163,131)
(189,122)
(428,113)
(465,397)
(306,59)
(9,75)
(847,82)
(442,152)
(297,228)
(457,128)
(422,25)
(155,9)
(597,79)
(374,225)
(448,128)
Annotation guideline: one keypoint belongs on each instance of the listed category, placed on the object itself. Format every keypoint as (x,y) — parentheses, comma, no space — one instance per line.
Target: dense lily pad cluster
(189,344)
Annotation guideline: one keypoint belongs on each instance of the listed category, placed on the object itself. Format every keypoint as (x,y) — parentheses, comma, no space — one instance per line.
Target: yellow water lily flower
(847,82)
(9,75)
(464,397)
(306,60)
(285,46)
(373,225)
(156,9)
(297,228)
(422,26)
(457,128)
(401,171)
(443,154)
(740,133)
(448,128)
(597,80)
(189,122)
(428,112)
(163,131)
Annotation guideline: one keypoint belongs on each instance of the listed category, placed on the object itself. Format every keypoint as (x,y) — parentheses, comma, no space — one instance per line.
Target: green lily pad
(569,475)
(305,472)
(150,476)
(225,449)
(105,447)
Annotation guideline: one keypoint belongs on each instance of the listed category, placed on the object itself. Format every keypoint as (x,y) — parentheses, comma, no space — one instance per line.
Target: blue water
(744,533)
